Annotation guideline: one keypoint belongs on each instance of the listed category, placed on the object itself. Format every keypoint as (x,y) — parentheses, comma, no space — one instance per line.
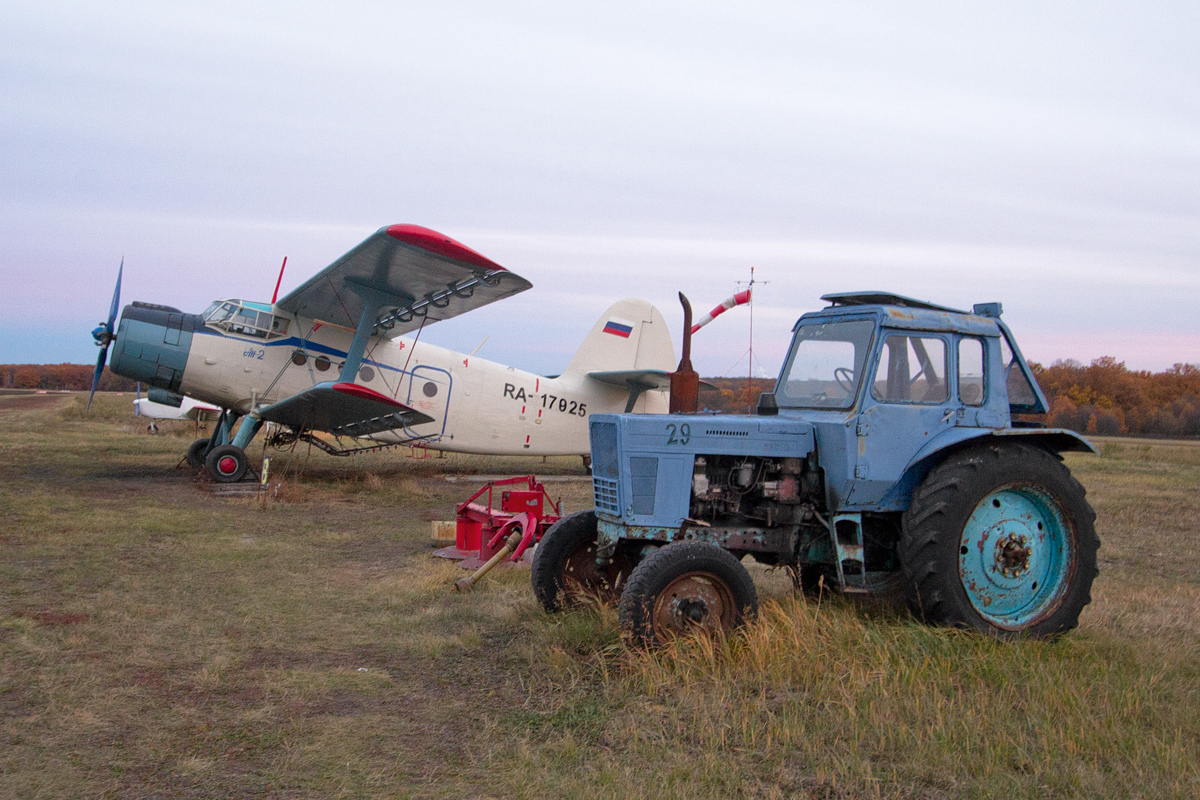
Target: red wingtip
(367,394)
(439,244)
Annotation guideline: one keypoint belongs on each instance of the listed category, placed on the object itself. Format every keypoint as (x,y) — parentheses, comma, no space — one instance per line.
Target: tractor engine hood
(152,344)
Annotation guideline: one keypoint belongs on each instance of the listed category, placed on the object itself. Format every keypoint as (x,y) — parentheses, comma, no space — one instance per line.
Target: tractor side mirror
(767,407)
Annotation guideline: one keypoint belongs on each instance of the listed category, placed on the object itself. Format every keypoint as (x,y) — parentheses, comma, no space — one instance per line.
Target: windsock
(737,300)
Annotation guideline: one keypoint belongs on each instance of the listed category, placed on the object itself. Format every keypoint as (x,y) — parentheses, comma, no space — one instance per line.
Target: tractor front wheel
(227,463)
(682,588)
(564,567)
(1000,539)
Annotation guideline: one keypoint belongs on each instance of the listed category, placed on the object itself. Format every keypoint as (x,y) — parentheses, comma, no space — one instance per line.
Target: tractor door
(906,405)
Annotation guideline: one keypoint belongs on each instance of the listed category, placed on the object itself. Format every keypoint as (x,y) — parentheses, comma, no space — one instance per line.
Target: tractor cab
(872,349)
(244,318)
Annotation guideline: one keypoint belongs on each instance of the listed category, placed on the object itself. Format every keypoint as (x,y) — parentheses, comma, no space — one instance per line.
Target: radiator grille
(606,495)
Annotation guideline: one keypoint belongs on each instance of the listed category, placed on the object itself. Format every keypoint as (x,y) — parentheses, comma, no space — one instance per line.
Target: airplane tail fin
(631,336)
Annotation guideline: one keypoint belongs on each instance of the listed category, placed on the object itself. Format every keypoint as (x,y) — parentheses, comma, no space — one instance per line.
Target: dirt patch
(51,618)
(29,402)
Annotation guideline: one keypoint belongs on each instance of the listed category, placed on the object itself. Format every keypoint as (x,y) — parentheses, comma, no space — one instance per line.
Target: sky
(1043,155)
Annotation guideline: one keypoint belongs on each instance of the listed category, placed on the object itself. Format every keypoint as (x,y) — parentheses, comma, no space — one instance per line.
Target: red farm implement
(483,531)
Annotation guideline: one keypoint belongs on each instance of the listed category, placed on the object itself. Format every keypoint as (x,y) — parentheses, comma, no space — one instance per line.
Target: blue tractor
(888,460)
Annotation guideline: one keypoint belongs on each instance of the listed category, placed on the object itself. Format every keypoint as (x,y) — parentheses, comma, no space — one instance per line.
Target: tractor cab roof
(897,311)
(881,299)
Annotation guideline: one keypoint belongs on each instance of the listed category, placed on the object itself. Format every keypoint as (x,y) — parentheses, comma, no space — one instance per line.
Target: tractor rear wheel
(195,453)
(682,588)
(564,565)
(1000,539)
(227,463)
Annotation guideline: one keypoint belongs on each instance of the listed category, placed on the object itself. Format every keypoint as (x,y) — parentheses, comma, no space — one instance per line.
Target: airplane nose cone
(102,335)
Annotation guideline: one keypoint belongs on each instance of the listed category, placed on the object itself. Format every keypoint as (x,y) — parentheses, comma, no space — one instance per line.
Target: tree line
(1108,399)
(1103,398)
(77,377)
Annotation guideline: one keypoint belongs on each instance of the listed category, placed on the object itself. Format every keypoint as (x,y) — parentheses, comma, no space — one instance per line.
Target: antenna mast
(750,369)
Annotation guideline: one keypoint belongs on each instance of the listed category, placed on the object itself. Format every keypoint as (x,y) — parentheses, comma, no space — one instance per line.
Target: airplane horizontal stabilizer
(644,379)
(343,409)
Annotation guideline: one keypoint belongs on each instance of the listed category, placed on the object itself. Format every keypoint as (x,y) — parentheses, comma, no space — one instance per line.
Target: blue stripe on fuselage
(293,341)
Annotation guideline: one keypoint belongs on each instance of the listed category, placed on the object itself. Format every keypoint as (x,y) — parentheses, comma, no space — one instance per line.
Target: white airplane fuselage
(478,406)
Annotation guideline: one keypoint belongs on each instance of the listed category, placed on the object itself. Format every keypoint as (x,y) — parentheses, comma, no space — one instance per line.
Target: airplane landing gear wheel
(195,453)
(685,587)
(227,463)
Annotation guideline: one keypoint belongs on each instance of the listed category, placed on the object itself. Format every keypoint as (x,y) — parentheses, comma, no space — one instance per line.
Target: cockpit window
(219,312)
(232,316)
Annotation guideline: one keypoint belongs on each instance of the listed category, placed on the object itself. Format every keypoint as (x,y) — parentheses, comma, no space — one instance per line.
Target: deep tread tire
(953,545)
(195,453)
(227,463)
(684,586)
(564,567)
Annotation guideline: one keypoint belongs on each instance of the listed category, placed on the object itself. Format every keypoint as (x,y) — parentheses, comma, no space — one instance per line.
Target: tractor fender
(1056,440)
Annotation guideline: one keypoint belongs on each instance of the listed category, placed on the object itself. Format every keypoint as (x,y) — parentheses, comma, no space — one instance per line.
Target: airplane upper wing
(343,409)
(413,272)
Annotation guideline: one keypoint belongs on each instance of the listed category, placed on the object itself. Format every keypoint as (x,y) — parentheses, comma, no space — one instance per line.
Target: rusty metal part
(691,602)
(685,381)
(1012,555)
(582,576)
(468,583)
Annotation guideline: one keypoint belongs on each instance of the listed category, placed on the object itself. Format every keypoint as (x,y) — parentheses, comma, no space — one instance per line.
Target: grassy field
(159,641)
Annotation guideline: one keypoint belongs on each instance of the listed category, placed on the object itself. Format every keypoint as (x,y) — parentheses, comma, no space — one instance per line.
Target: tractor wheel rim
(227,465)
(694,602)
(581,576)
(1016,556)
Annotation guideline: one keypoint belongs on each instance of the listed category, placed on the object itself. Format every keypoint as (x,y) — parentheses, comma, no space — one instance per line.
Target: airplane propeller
(104,335)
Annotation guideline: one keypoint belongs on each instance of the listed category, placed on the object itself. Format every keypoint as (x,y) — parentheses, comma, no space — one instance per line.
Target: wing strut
(374,300)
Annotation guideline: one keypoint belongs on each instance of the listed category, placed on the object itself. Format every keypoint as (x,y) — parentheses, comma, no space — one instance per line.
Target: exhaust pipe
(685,382)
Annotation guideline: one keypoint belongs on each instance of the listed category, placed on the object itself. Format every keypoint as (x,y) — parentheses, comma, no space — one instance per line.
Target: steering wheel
(844,377)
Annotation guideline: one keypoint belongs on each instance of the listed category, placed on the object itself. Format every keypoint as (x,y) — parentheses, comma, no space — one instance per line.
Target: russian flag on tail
(618,327)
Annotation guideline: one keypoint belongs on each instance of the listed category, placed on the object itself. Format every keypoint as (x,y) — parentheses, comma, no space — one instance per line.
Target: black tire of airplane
(195,453)
(227,463)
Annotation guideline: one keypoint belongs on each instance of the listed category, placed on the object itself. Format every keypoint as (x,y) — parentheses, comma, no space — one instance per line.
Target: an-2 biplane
(330,357)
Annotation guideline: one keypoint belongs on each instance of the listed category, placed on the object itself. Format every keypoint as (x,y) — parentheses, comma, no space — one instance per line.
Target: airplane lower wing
(343,409)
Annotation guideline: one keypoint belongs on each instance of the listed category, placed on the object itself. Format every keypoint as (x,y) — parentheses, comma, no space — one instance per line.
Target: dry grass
(157,641)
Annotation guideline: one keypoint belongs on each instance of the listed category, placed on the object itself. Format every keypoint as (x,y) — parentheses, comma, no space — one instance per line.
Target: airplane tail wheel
(227,463)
